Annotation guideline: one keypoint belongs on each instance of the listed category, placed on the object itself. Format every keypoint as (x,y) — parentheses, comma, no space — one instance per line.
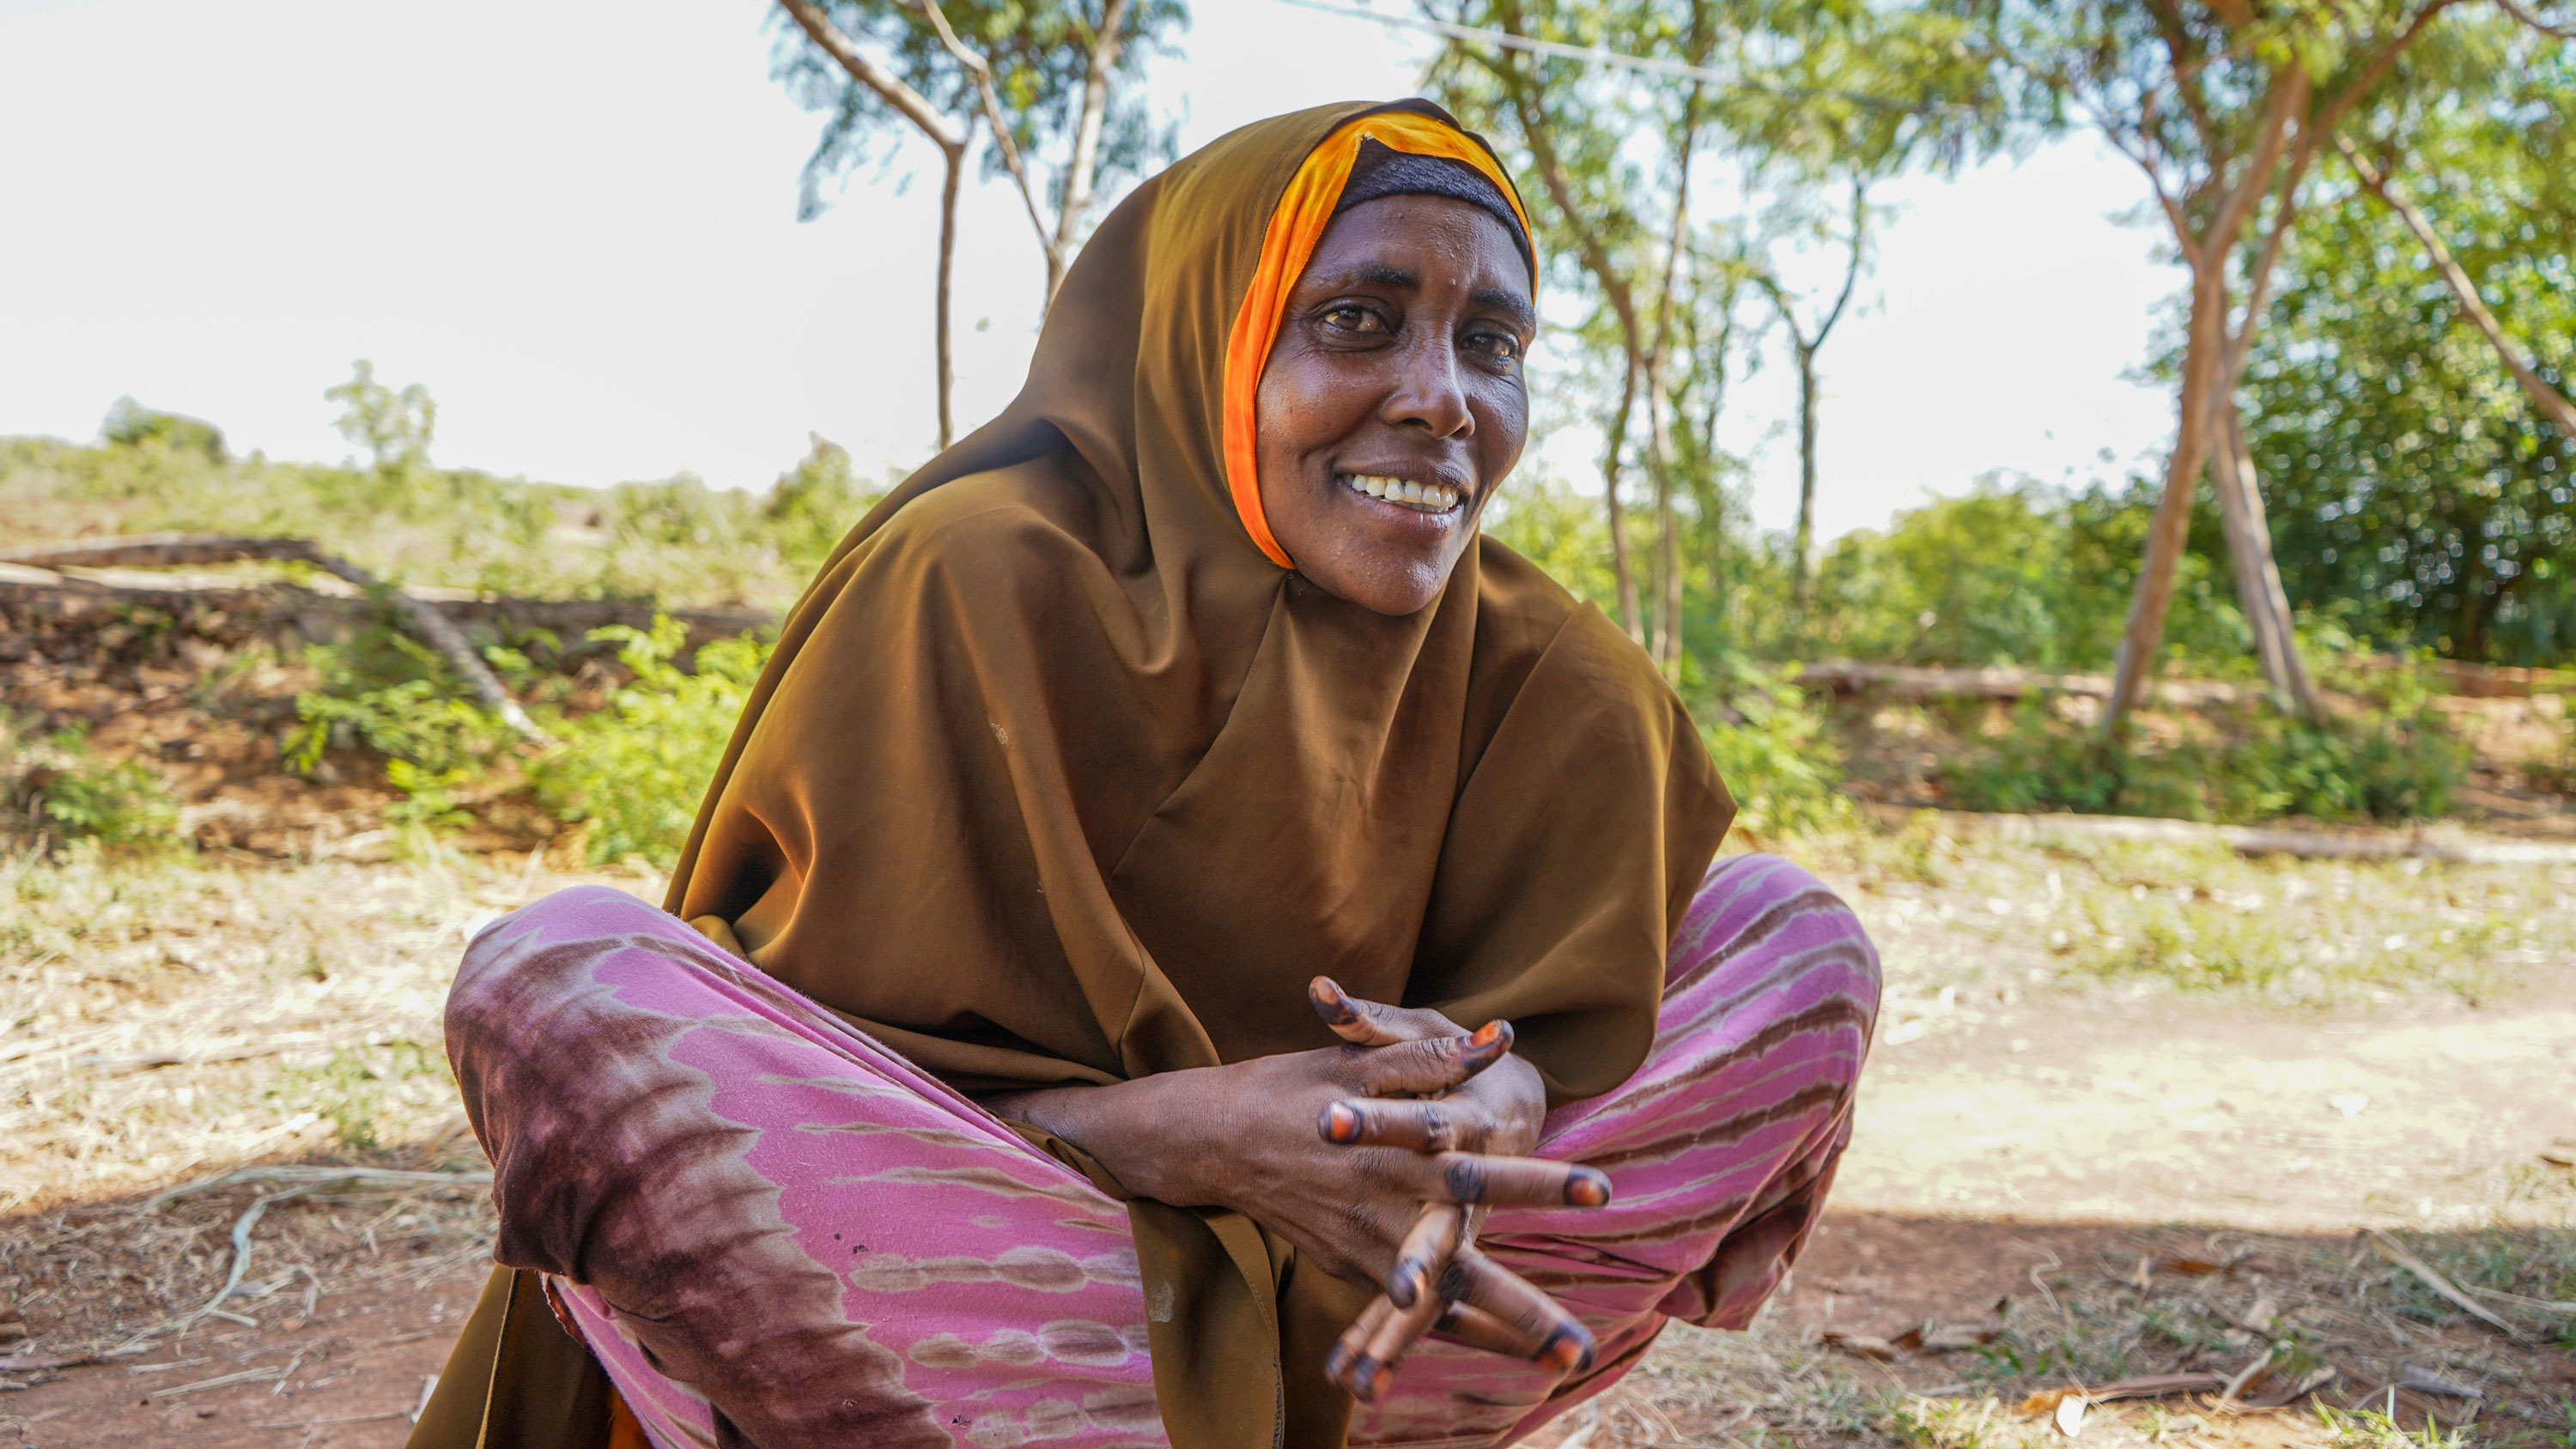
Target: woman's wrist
(1147,1134)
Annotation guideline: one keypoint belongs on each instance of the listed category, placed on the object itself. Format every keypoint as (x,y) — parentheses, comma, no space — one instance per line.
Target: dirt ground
(2069,1176)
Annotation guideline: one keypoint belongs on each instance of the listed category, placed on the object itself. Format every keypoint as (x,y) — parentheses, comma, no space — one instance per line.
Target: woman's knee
(1773,916)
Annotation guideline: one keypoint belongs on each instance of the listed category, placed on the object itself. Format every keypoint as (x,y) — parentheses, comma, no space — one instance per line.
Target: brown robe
(1057,777)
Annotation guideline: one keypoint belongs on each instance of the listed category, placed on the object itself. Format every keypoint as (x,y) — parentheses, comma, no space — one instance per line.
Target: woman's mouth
(1420,497)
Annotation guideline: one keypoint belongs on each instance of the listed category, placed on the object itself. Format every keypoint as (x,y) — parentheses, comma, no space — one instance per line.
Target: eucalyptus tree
(1807,339)
(1030,76)
(1603,150)
(2225,107)
(1635,117)
(2412,382)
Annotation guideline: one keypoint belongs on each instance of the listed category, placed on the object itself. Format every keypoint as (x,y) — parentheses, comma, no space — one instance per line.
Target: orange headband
(1304,210)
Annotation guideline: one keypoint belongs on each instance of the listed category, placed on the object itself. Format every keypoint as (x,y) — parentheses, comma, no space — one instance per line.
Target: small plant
(359,1087)
(1771,749)
(636,769)
(61,791)
(2374,1429)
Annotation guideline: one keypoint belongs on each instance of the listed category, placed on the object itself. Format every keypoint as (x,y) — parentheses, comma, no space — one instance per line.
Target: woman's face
(1394,402)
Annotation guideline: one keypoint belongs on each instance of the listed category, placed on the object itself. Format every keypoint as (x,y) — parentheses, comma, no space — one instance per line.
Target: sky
(579,233)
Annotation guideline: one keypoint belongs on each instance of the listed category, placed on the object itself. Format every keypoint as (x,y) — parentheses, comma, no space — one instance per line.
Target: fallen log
(2456,847)
(1915,681)
(174,549)
(1911,681)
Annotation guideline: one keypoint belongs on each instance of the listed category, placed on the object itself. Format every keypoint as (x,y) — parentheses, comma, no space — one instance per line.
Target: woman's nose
(1427,392)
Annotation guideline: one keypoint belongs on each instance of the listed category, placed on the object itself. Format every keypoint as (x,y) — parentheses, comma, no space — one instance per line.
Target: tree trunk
(2258,577)
(1621,571)
(2204,350)
(1085,162)
(1668,613)
(916,108)
(956,158)
(1802,587)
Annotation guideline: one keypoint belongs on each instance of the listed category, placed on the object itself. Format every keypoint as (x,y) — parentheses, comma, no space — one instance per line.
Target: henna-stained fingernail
(1568,1350)
(1331,1002)
(1453,1283)
(1588,1187)
(1365,1375)
(1484,1035)
(1404,1288)
(1340,1123)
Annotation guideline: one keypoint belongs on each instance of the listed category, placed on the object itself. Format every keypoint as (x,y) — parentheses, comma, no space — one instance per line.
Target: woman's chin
(1395,586)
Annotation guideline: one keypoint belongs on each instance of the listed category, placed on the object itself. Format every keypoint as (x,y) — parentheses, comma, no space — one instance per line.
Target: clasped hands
(1377,1159)
(1449,1116)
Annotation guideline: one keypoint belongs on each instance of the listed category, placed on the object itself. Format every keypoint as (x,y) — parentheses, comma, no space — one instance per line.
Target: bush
(2393,760)
(59,791)
(1771,748)
(634,771)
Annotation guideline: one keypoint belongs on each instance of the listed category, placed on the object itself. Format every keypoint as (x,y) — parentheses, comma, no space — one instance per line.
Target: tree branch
(2549,400)
(1086,136)
(1851,274)
(982,71)
(910,103)
(171,549)
(2555,32)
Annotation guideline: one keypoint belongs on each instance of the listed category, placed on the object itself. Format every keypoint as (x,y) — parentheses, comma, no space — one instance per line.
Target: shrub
(2392,759)
(60,791)
(1771,748)
(635,770)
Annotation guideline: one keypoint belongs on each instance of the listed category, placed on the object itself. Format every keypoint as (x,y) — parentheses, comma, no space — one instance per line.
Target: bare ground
(2085,1152)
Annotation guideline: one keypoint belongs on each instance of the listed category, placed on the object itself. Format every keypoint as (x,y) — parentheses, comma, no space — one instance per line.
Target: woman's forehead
(1410,242)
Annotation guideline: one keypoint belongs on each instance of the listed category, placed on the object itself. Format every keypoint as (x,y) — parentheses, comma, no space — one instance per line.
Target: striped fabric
(773,1231)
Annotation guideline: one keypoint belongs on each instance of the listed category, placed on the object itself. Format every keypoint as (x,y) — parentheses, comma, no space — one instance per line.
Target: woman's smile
(1435,499)
(1394,401)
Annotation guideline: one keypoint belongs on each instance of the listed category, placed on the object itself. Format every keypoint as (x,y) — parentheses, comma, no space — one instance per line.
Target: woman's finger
(1476,1328)
(1394,1339)
(1362,1022)
(1344,1363)
(1417,1124)
(1423,1068)
(1476,1177)
(1426,1250)
(1563,1344)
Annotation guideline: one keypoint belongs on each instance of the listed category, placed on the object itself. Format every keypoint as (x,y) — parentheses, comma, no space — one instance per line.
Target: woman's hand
(1439,1280)
(1341,1151)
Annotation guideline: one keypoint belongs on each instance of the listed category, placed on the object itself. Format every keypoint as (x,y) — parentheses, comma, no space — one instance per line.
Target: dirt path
(2431,1115)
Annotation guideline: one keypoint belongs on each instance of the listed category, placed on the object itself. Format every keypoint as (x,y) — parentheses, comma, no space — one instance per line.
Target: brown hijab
(1058,777)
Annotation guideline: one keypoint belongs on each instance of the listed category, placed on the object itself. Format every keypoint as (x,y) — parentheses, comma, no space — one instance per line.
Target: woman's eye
(1354,319)
(1501,346)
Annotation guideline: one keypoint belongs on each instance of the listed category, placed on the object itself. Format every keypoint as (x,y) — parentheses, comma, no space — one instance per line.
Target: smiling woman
(1394,400)
(1069,1038)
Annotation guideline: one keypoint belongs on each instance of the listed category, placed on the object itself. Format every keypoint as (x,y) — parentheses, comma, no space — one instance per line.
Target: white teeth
(1424,497)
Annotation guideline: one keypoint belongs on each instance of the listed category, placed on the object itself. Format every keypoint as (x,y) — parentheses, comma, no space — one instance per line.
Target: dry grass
(297,1006)
(2148,1302)
(1991,922)
(166,1018)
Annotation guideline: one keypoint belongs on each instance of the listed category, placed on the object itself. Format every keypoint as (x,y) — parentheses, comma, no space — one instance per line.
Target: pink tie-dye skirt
(772,1230)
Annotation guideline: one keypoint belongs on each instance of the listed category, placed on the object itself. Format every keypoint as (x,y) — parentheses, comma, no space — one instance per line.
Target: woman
(1139,811)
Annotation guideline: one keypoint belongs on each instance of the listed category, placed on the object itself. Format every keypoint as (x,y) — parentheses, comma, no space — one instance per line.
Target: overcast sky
(578,229)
